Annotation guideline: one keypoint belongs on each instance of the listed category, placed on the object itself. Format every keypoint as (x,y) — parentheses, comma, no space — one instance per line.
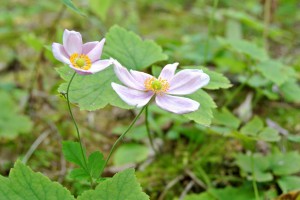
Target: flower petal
(126,78)
(178,105)
(188,81)
(81,71)
(96,52)
(99,66)
(140,76)
(87,47)
(168,71)
(60,53)
(72,42)
(131,96)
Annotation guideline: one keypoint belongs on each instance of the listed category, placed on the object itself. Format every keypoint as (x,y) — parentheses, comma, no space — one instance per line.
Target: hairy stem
(121,137)
(148,130)
(77,129)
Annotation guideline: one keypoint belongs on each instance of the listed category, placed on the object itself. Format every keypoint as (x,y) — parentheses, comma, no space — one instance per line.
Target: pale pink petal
(126,78)
(72,42)
(81,71)
(140,77)
(131,96)
(99,66)
(60,53)
(188,81)
(87,47)
(178,105)
(96,52)
(168,71)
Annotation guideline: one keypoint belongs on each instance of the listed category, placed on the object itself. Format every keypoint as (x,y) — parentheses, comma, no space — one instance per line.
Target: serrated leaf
(245,47)
(130,153)
(24,184)
(73,153)
(252,127)
(95,164)
(274,71)
(123,186)
(285,164)
(226,118)
(289,183)
(70,4)
(12,123)
(269,135)
(93,91)
(204,114)
(130,50)
(217,80)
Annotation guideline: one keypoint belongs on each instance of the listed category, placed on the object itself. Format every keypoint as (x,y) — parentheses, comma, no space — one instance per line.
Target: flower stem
(120,138)
(148,130)
(77,129)
(254,185)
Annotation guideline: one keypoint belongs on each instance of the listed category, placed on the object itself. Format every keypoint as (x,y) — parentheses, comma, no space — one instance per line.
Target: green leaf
(71,5)
(269,135)
(285,164)
(204,114)
(12,122)
(80,174)
(289,183)
(226,118)
(24,184)
(291,91)
(294,138)
(123,186)
(130,153)
(95,164)
(130,50)
(202,196)
(245,47)
(73,153)
(252,127)
(230,193)
(93,91)
(217,80)
(274,71)
(100,7)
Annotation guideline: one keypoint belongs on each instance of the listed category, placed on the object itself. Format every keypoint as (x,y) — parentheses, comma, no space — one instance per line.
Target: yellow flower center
(158,86)
(80,61)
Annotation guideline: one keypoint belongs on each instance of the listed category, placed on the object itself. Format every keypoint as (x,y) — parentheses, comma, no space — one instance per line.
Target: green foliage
(130,153)
(70,4)
(12,123)
(130,50)
(24,184)
(217,80)
(100,7)
(123,186)
(90,167)
(289,183)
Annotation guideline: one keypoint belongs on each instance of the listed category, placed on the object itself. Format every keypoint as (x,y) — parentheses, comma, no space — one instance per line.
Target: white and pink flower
(83,58)
(141,87)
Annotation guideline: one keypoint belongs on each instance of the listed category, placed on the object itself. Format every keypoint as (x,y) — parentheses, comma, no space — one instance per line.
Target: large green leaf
(91,92)
(285,164)
(12,122)
(204,114)
(123,186)
(274,71)
(24,184)
(130,50)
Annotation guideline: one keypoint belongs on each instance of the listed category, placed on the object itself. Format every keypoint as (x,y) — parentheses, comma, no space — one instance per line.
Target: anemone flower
(141,87)
(83,58)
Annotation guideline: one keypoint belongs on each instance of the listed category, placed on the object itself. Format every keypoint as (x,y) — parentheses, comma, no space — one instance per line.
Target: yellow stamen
(158,86)
(81,61)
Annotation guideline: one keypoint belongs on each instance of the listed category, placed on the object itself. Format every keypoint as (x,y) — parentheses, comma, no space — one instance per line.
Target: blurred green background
(255,44)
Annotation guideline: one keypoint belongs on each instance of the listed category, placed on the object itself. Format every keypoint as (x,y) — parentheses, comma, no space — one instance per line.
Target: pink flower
(83,58)
(141,87)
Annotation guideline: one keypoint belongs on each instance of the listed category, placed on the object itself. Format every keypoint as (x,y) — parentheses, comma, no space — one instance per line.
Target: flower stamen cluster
(158,86)
(81,61)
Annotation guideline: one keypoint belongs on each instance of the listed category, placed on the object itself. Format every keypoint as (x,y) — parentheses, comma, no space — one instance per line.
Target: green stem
(77,129)
(267,19)
(254,179)
(210,24)
(148,130)
(121,137)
